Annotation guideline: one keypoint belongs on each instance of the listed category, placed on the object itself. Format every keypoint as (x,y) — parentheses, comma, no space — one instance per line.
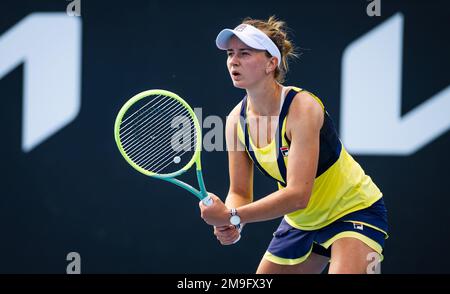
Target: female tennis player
(333,212)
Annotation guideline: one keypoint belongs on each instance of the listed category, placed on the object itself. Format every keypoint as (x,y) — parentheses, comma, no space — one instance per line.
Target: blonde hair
(276,30)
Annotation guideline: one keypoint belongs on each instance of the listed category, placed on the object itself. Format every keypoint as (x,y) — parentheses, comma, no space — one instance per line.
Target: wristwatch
(235,219)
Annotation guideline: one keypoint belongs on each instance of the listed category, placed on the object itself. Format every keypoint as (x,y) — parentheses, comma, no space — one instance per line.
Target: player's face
(247,66)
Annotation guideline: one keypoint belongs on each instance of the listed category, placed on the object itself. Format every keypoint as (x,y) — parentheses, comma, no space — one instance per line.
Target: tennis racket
(159,135)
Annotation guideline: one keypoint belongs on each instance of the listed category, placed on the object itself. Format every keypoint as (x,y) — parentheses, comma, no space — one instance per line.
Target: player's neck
(264,100)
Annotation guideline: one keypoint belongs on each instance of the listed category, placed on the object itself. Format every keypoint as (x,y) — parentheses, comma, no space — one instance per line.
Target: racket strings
(158,164)
(150,149)
(172,143)
(138,124)
(123,125)
(147,134)
(158,161)
(158,135)
(146,140)
(127,133)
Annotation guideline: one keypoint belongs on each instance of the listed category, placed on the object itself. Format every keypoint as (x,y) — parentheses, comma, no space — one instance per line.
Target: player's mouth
(235,74)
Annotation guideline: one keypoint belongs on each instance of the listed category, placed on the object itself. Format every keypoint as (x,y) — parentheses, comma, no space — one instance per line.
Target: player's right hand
(227,235)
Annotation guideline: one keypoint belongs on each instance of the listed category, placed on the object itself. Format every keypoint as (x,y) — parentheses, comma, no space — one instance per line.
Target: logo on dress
(358,226)
(284,151)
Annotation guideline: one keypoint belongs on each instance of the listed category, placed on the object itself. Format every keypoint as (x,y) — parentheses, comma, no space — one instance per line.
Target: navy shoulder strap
(284,111)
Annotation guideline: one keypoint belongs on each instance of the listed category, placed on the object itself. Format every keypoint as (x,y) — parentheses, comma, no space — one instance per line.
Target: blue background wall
(74,192)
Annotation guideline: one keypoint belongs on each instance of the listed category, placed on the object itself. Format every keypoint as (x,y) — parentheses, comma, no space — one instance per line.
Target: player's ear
(271,65)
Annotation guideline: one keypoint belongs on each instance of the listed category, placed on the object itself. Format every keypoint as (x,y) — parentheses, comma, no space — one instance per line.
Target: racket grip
(207,201)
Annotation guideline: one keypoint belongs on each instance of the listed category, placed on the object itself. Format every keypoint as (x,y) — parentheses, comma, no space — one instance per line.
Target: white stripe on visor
(251,36)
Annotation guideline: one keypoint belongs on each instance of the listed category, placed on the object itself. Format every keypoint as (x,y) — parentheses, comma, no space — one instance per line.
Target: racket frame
(170,177)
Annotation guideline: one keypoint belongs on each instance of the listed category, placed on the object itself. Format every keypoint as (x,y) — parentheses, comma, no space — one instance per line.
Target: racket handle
(207,201)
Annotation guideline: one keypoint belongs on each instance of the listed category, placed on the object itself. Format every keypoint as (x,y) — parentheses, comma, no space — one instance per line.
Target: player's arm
(304,122)
(240,170)
(240,167)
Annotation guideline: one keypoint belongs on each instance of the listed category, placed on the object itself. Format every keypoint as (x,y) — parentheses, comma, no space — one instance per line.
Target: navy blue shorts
(291,246)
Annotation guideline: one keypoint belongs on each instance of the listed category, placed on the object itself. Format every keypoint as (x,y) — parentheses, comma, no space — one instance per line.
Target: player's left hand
(217,214)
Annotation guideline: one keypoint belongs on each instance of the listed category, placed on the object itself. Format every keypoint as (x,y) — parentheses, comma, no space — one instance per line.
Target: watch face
(235,220)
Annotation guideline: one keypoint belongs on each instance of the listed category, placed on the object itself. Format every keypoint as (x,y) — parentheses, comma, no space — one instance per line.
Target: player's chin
(239,84)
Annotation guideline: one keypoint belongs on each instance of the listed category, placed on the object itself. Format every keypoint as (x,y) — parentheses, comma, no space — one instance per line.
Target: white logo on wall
(52,72)
(371,121)
(74,8)
(374,8)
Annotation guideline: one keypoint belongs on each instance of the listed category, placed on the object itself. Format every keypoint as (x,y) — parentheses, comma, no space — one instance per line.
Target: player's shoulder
(307,108)
(306,102)
(234,115)
(236,109)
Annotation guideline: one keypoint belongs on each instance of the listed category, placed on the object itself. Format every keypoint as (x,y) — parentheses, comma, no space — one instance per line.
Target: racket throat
(201,185)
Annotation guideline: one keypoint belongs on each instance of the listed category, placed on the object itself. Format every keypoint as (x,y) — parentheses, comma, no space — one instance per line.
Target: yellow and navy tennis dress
(344,201)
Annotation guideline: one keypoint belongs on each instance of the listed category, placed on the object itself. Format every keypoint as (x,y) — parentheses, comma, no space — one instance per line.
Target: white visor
(251,36)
